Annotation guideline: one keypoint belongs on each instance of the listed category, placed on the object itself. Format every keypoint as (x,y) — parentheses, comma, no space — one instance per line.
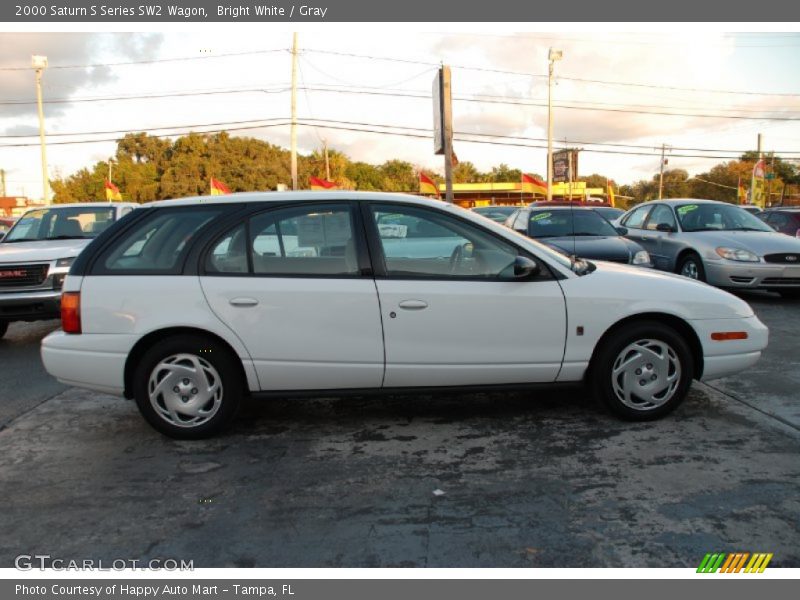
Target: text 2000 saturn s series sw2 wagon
(187,305)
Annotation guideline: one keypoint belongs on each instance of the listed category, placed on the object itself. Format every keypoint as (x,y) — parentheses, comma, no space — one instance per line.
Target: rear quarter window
(158,244)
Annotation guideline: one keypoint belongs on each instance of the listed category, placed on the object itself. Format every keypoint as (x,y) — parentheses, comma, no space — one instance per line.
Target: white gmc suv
(37,251)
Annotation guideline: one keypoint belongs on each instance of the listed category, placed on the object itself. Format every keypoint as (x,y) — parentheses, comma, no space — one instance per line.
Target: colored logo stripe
(734,562)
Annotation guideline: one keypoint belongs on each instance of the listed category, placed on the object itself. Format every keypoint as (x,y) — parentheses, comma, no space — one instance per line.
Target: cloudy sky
(619,96)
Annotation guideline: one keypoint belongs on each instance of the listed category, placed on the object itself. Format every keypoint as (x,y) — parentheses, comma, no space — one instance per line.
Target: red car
(6,224)
(785,220)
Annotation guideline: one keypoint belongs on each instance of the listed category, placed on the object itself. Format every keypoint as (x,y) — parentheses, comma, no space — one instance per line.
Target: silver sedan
(716,242)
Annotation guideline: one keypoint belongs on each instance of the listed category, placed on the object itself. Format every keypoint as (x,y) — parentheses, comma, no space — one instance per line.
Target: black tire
(624,342)
(788,294)
(691,263)
(204,362)
(3,328)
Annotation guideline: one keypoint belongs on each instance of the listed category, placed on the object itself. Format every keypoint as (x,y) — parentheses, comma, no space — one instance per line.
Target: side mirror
(664,227)
(622,230)
(525,267)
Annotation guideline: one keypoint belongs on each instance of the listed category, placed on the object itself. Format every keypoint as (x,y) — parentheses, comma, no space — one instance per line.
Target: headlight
(737,254)
(641,258)
(65,262)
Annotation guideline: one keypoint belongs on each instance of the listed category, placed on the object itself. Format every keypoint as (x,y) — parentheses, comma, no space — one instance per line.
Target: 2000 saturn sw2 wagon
(188,305)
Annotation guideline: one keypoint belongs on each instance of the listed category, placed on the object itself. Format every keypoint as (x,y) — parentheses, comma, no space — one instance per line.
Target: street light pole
(294,111)
(552,56)
(40,64)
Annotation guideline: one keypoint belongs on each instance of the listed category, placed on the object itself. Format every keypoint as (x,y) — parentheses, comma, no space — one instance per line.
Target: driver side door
(452,311)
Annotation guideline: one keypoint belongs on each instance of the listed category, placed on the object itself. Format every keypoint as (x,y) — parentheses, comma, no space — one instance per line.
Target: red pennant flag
(218,188)
(112,192)
(316,183)
(533,185)
(427,185)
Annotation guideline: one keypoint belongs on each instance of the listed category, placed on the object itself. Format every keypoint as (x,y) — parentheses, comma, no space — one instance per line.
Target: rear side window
(304,241)
(635,220)
(310,240)
(157,244)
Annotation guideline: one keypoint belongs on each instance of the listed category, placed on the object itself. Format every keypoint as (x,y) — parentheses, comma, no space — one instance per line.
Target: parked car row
(719,243)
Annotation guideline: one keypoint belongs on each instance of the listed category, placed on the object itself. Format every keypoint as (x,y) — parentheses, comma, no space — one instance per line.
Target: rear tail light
(71,312)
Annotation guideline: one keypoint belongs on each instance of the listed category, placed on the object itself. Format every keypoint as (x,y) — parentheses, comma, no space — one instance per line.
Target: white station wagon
(188,305)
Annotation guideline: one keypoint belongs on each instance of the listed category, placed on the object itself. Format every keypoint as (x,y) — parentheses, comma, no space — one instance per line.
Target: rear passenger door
(294,284)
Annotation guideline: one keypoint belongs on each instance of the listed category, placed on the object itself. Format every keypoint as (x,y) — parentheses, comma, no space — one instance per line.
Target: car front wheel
(188,386)
(692,266)
(642,371)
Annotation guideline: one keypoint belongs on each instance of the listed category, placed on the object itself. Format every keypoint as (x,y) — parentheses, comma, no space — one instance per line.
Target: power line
(411,132)
(536,75)
(377,90)
(151,61)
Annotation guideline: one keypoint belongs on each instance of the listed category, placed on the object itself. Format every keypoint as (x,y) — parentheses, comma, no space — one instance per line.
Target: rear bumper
(30,305)
(96,362)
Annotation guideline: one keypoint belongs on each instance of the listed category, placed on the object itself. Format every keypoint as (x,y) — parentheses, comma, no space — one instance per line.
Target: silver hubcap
(185,390)
(689,269)
(646,374)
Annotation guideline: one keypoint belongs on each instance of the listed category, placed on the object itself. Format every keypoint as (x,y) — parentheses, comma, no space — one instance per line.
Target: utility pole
(3,183)
(447,124)
(110,162)
(39,63)
(661,172)
(327,163)
(294,111)
(552,56)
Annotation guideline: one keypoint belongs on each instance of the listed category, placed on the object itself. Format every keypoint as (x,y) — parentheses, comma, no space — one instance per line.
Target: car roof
(83,205)
(303,196)
(563,208)
(675,201)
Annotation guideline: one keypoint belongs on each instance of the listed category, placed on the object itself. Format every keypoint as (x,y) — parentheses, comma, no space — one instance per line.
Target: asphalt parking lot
(482,480)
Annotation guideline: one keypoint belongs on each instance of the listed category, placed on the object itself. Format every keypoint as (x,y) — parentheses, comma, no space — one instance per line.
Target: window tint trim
(379,259)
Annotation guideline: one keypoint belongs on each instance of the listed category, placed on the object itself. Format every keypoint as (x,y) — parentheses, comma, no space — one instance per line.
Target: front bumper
(729,357)
(753,276)
(31,305)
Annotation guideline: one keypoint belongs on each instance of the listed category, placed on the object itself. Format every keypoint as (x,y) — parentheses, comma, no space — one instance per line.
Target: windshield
(566,223)
(60,224)
(718,217)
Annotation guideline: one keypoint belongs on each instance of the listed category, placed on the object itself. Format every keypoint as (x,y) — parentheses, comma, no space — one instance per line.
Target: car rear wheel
(3,328)
(642,371)
(691,266)
(188,386)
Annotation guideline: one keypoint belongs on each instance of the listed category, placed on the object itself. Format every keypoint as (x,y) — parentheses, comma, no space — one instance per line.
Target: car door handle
(243,301)
(413,304)
(646,238)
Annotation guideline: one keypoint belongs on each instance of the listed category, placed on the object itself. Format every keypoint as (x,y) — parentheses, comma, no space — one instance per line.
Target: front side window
(309,240)
(661,215)
(425,243)
(158,243)
(60,224)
